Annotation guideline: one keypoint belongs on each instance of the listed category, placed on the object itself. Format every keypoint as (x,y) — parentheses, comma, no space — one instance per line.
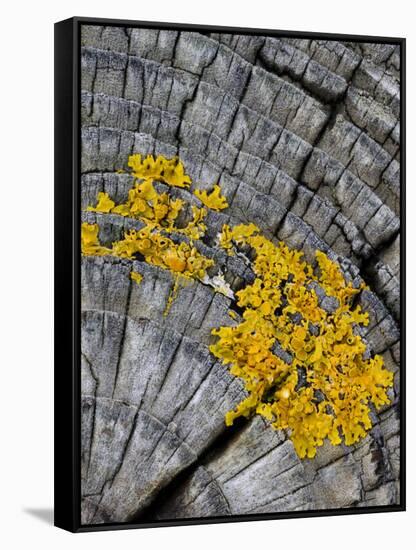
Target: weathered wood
(304,138)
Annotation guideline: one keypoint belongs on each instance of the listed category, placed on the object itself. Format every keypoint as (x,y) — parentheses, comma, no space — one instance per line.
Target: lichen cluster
(325,389)
(159,212)
(304,365)
(156,249)
(214,199)
(170,171)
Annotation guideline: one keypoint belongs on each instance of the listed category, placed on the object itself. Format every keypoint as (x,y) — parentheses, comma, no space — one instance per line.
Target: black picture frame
(67,273)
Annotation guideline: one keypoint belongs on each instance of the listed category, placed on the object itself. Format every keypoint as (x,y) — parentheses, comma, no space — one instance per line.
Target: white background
(26,217)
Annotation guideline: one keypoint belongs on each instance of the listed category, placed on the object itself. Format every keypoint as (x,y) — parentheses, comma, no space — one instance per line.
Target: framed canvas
(229,274)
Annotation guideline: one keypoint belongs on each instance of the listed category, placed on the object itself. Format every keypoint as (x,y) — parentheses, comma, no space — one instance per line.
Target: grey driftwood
(304,138)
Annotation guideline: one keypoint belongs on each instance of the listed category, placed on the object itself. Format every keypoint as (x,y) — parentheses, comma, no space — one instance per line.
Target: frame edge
(66,414)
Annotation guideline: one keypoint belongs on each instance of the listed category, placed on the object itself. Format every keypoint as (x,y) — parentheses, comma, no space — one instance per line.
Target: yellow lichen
(326,390)
(104,204)
(170,171)
(156,248)
(156,209)
(180,280)
(159,212)
(143,203)
(214,199)
(90,245)
(172,295)
(136,277)
(237,234)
